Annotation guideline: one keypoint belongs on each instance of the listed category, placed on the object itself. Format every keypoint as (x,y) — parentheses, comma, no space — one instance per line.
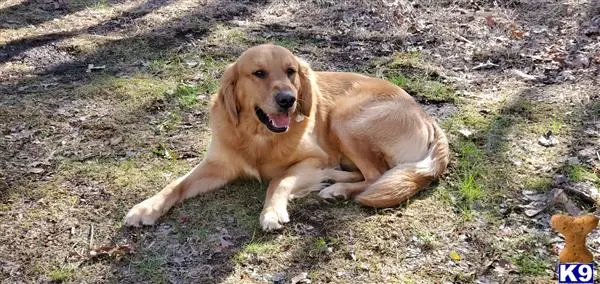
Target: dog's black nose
(285,100)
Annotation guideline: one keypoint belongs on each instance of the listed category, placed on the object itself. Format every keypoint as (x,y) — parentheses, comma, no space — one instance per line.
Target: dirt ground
(103,102)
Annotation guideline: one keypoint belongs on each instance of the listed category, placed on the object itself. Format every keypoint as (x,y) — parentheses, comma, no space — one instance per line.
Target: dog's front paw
(271,219)
(144,213)
(333,191)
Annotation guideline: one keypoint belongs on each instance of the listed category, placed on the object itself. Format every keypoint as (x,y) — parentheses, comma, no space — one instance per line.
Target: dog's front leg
(208,175)
(300,176)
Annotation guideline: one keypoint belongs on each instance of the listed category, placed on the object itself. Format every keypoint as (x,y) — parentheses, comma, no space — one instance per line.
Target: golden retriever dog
(277,120)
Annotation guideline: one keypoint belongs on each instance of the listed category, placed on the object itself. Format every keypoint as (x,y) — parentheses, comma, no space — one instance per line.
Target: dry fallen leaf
(224,241)
(111,250)
(489,21)
(184,219)
(301,278)
(515,32)
(455,256)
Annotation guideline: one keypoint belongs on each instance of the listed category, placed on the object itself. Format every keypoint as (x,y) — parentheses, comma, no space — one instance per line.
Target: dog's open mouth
(278,122)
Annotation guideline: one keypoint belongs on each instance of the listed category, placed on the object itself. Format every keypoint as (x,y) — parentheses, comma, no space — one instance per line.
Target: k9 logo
(575,273)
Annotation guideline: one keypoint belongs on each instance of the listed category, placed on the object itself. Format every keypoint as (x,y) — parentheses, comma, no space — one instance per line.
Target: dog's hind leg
(343,190)
(332,176)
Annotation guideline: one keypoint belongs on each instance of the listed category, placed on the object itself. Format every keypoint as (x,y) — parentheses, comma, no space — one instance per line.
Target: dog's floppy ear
(308,87)
(227,94)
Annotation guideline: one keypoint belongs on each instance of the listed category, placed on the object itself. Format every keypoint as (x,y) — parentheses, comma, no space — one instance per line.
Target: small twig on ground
(92,67)
(462,38)
(524,75)
(91,240)
(487,65)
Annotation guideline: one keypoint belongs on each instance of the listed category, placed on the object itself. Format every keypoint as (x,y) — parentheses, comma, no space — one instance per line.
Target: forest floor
(103,102)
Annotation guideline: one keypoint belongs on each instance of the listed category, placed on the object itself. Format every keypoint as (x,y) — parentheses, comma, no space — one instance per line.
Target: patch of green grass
(530,265)
(130,175)
(131,92)
(170,122)
(538,183)
(208,86)
(595,108)
(152,267)
(248,220)
(578,173)
(556,125)
(421,87)
(470,156)
(225,35)
(259,249)
(321,245)
(467,118)
(289,43)
(522,107)
(163,151)
(158,64)
(186,94)
(469,187)
(430,240)
(61,274)
(93,4)
(406,59)
(199,233)
(101,4)
(407,280)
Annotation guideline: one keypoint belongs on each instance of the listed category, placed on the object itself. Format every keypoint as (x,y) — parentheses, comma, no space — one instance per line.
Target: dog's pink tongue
(280,120)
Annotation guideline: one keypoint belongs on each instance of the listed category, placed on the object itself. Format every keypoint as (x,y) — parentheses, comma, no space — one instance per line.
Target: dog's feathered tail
(405,180)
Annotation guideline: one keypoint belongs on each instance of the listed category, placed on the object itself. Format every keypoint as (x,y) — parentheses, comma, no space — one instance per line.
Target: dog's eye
(290,71)
(260,74)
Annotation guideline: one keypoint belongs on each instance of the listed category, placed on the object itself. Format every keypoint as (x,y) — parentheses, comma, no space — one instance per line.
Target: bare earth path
(103,102)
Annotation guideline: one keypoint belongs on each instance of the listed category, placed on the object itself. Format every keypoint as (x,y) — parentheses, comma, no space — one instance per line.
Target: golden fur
(367,125)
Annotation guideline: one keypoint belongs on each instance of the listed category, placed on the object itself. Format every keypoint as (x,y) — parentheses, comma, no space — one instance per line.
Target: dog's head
(269,81)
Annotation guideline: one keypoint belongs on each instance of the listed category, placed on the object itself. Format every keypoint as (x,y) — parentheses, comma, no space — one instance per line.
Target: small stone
(523,75)
(279,277)
(573,161)
(466,132)
(191,63)
(548,140)
(116,140)
(566,75)
(560,179)
(130,153)
(301,278)
(591,133)
(580,61)
(36,170)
